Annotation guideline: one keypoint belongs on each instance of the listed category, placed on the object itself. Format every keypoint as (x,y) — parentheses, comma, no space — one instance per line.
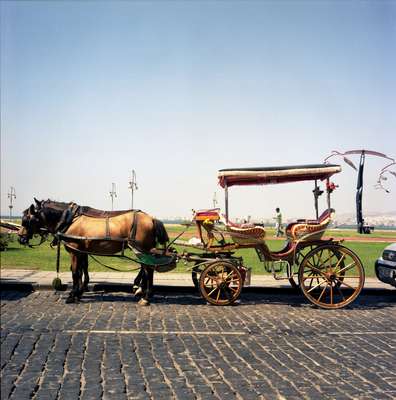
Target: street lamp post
(113,195)
(132,186)
(11,196)
(214,200)
(361,226)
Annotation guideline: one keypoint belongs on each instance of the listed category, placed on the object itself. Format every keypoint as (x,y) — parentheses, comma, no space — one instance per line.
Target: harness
(74,211)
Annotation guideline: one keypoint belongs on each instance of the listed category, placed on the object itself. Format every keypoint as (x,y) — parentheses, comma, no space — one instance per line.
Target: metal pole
(132,186)
(359,195)
(226,200)
(112,195)
(328,193)
(214,200)
(316,199)
(11,196)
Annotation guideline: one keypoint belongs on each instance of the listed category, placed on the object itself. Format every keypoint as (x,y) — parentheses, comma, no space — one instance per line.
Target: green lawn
(44,258)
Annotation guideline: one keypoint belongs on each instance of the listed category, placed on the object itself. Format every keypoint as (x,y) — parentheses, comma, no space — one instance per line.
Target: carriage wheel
(220,283)
(331,276)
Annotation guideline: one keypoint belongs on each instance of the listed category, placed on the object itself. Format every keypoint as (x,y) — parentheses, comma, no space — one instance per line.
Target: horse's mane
(55,204)
(54,209)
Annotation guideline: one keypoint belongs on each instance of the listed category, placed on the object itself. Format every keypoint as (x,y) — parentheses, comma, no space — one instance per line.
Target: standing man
(278,223)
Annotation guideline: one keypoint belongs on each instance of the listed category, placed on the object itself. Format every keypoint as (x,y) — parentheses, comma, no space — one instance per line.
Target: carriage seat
(309,229)
(246,233)
(211,214)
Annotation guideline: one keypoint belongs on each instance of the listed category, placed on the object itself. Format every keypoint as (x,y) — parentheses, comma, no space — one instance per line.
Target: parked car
(385,266)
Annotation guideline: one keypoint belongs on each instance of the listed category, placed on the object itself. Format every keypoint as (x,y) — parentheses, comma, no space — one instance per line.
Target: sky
(177,90)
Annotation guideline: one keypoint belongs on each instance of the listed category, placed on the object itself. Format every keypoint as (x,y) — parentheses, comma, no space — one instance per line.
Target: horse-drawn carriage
(328,274)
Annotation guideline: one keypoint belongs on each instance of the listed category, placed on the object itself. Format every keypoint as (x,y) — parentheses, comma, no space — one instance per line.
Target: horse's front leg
(137,289)
(147,284)
(76,292)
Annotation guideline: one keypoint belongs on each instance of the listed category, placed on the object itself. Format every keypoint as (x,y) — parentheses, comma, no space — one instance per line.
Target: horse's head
(32,222)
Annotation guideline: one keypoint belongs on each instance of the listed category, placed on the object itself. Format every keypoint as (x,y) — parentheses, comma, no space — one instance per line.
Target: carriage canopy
(273,175)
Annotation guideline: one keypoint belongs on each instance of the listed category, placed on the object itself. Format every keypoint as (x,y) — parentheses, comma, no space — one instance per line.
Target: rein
(43,238)
(123,256)
(115,269)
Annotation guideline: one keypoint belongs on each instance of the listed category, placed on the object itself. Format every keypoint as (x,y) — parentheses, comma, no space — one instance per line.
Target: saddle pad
(94,213)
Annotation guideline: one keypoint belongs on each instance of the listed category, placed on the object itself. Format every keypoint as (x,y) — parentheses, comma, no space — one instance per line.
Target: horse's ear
(32,209)
(37,202)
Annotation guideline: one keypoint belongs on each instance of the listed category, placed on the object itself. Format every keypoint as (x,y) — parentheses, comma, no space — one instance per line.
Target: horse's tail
(161,235)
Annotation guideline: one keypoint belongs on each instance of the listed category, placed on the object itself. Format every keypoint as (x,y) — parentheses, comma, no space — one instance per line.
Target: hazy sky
(177,90)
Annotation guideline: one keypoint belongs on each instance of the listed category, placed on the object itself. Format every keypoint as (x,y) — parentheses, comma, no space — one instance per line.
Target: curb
(127,288)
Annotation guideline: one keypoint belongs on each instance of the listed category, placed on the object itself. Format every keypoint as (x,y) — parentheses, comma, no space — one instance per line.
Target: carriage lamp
(317,192)
(331,186)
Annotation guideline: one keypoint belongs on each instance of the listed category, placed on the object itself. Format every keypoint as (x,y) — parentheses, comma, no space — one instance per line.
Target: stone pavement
(271,346)
(118,280)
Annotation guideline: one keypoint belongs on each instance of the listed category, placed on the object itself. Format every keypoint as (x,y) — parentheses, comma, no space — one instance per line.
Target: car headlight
(389,255)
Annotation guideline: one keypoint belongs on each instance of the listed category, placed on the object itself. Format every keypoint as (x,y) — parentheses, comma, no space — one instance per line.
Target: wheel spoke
(324,289)
(218,295)
(229,297)
(230,274)
(339,261)
(349,266)
(344,283)
(339,290)
(209,278)
(314,287)
(212,290)
(317,270)
(311,277)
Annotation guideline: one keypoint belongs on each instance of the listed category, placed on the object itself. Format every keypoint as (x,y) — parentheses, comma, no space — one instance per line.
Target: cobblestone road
(269,346)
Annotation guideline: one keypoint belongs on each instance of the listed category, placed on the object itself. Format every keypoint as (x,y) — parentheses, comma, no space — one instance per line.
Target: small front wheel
(220,283)
(331,276)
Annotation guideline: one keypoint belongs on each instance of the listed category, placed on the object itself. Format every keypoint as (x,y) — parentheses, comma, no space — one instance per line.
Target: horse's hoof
(143,302)
(70,300)
(138,292)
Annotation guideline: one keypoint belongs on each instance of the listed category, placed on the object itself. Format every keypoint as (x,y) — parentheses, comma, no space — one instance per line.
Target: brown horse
(85,230)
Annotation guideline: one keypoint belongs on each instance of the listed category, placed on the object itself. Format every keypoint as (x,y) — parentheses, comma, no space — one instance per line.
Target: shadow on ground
(292,299)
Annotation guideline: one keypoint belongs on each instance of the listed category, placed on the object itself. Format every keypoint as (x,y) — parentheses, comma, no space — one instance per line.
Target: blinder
(32,221)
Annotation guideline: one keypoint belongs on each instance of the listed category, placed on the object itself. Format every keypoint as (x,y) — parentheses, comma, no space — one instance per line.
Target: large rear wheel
(220,283)
(331,276)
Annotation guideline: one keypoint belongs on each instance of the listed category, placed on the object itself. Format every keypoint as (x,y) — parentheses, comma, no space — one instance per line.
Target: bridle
(43,232)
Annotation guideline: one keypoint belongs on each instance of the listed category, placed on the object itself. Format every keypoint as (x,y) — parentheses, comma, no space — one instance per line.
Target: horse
(85,230)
